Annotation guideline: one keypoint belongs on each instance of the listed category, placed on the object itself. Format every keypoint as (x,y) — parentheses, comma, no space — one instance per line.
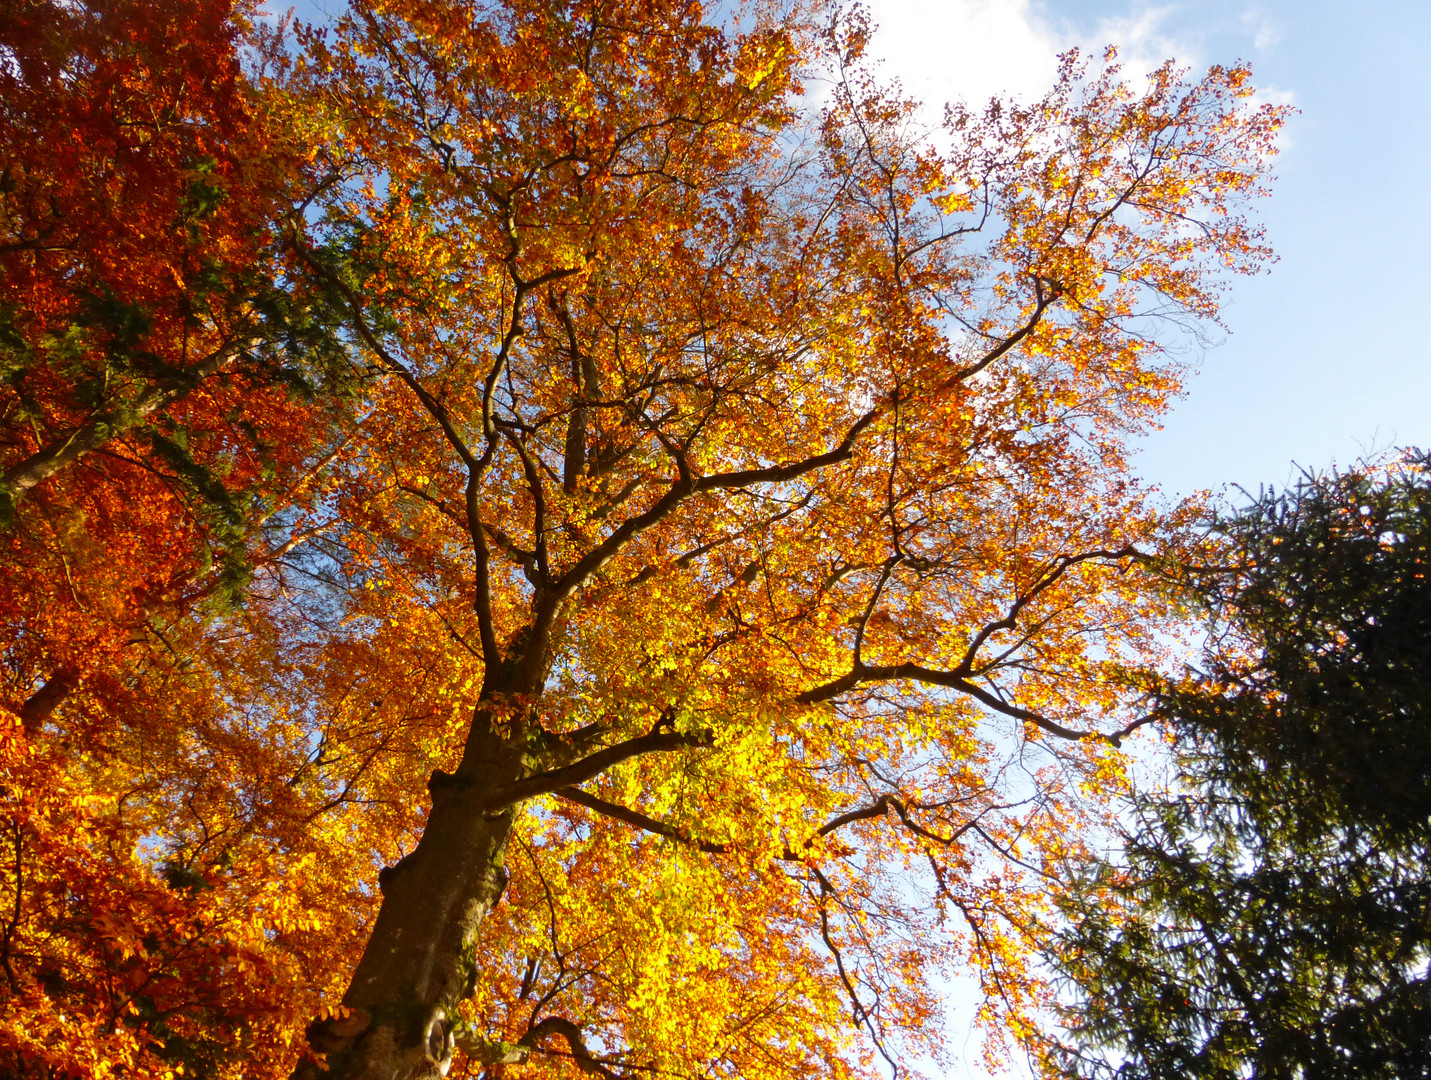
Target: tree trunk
(38,706)
(416,966)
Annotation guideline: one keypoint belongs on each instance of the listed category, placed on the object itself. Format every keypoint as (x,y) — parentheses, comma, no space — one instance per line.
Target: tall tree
(1271,917)
(722,591)
(762,455)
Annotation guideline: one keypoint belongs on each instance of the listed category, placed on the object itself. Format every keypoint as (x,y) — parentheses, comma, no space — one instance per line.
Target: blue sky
(1327,357)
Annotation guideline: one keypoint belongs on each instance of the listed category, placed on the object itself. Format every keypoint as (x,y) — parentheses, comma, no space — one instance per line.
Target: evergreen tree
(1272,917)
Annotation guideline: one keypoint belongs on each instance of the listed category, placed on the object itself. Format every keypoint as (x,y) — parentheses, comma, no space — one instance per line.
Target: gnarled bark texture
(413,973)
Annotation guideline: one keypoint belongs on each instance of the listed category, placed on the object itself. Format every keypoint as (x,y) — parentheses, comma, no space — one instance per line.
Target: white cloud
(1265,32)
(1142,39)
(943,50)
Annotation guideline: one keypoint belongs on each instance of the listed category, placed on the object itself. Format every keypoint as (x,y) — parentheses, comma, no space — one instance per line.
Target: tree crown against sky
(707,590)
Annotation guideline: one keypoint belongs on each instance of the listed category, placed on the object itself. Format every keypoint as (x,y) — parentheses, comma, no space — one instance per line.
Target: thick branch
(539,504)
(604,552)
(879,808)
(683,561)
(917,673)
(775,474)
(580,1053)
(496,1052)
(864,620)
(636,819)
(684,487)
(961,675)
(1050,578)
(587,378)
(42,702)
(653,742)
(1042,301)
(493,1052)
(875,809)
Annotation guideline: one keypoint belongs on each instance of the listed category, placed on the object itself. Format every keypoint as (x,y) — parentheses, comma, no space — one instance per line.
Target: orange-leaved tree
(761,463)
(148,335)
(722,593)
(167,400)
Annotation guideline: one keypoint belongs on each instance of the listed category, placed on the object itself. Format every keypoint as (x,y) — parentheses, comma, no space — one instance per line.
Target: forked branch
(961,677)
(495,1052)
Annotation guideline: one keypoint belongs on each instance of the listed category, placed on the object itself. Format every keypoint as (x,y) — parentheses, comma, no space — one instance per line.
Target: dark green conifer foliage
(1272,919)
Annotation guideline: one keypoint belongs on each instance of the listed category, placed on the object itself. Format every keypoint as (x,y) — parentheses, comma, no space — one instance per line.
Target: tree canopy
(547,537)
(1271,916)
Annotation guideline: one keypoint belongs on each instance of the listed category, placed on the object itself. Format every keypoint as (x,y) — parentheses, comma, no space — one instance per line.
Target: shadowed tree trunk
(412,975)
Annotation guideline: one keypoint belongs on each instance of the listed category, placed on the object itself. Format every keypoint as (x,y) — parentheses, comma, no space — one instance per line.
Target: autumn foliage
(149,428)
(550,539)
